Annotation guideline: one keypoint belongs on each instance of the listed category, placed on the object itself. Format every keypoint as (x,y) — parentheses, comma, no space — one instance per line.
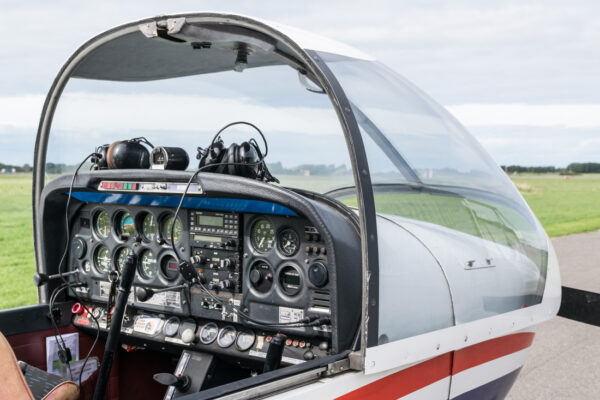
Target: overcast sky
(522,76)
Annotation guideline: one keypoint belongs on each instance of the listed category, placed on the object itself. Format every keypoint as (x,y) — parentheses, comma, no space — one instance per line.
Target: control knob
(199,259)
(255,277)
(227,263)
(317,274)
(226,284)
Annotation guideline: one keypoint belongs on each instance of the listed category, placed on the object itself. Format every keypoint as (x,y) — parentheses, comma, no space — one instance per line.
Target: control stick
(112,340)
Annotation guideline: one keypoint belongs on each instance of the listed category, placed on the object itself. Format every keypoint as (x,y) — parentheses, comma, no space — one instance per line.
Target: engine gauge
(288,242)
(263,235)
(148,264)
(166,229)
(102,259)
(171,327)
(209,333)
(126,225)
(102,224)
(121,256)
(150,227)
(226,336)
(245,340)
(78,247)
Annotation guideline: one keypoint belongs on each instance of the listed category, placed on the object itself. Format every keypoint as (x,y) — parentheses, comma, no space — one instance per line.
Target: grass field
(563,206)
(17,264)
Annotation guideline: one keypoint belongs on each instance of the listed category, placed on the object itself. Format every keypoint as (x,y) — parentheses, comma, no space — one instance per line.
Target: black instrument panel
(252,262)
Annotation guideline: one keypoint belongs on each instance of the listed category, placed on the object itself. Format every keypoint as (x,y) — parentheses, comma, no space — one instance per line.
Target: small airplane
(419,272)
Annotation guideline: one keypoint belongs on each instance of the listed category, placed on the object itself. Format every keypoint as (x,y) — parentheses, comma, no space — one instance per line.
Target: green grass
(17,263)
(564,206)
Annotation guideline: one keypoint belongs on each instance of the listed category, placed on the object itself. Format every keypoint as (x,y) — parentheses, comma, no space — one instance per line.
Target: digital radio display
(203,238)
(209,220)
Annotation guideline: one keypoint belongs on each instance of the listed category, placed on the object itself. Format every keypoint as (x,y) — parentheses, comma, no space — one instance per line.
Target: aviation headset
(245,159)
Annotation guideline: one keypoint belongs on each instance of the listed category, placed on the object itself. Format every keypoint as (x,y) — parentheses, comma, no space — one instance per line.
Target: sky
(522,76)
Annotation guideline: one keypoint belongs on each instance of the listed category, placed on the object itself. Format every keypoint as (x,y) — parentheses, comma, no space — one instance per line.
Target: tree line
(573,168)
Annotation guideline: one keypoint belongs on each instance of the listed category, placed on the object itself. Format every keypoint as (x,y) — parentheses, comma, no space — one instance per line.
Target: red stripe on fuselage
(411,379)
(489,350)
(404,382)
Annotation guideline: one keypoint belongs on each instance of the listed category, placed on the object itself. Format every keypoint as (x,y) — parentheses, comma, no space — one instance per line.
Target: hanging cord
(67,284)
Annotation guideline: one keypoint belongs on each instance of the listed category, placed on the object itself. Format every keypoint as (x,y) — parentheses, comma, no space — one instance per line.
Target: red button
(269,339)
(120,185)
(288,342)
(295,343)
(77,309)
(302,345)
(134,186)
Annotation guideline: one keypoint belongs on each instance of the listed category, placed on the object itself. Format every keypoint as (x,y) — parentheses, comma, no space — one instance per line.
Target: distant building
(9,170)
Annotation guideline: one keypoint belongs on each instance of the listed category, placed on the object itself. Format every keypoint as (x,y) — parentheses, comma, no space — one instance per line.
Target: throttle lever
(180,382)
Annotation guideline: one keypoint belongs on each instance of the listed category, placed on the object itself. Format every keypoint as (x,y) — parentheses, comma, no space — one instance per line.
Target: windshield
(426,167)
(306,144)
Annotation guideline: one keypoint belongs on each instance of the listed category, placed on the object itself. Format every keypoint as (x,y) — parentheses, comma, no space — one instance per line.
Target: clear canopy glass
(306,144)
(425,166)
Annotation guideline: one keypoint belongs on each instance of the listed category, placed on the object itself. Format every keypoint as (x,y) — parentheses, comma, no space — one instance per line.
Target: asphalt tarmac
(564,362)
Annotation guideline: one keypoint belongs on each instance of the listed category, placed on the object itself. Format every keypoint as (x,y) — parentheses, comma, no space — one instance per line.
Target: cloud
(547,115)
(530,145)
(501,66)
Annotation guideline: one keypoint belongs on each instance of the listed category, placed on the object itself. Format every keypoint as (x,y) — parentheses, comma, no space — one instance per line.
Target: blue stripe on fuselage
(494,390)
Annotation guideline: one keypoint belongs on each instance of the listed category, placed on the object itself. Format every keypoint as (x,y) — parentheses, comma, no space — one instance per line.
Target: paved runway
(564,362)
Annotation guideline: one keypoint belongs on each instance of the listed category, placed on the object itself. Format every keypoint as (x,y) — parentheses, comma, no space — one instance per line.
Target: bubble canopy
(401,147)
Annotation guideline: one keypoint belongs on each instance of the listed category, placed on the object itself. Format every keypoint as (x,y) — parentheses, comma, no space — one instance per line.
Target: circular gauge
(187,330)
(102,259)
(78,247)
(245,340)
(148,264)
(171,327)
(263,235)
(150,227)
(121,256)
(226,336)
(290,280)
(166,229)
(288,242)
(168,265)
(209,333)
(102,224)
(126,225)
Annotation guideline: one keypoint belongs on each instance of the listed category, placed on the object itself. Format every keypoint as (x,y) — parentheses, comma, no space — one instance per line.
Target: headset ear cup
(248,155)
(223,167)
(232,159)
(212,156)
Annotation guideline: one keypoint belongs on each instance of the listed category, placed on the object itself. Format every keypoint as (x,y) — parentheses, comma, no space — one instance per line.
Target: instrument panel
(273,267)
